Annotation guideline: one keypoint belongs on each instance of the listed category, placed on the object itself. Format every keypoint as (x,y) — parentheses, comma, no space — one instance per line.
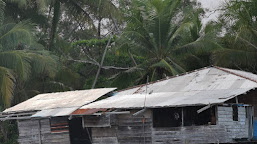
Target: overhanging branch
(97,64)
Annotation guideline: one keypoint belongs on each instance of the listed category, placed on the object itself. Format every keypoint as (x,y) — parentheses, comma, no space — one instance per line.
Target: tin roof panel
(53,101)
(211,85)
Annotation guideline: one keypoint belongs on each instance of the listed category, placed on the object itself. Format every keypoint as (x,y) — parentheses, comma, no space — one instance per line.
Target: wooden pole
(236,100)
(101,64)
(182,116)
(39,132)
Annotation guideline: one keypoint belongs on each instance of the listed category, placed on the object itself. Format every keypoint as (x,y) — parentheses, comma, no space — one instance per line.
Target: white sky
(212,5)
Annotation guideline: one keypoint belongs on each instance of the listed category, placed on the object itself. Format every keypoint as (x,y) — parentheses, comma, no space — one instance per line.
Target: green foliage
(93,42)
(162,31)
(14,65)
(240,40)
(164,65)
(69,77)
(11,131)
(7,86)
(43,63)
(16,36)
(41,4)
(18,61)
(2,5)
(125,79)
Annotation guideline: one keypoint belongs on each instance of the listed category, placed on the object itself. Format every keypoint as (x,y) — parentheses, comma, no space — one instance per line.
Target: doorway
(78,134)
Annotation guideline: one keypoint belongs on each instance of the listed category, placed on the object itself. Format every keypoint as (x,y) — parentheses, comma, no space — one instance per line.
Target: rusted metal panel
(60,100)
(87,111)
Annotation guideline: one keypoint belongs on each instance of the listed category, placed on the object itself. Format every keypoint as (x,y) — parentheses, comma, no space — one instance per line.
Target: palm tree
(240,40)
(16,58)
(13,36)
(163,32)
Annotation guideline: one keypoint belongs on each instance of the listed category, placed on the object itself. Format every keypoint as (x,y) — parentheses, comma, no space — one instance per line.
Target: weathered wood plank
(29,133)
(97,121)
(105,140)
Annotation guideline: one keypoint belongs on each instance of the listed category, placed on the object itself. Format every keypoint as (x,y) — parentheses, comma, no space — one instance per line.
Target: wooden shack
(209,105)
(45,118)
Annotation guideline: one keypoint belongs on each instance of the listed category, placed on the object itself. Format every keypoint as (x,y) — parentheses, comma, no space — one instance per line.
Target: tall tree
(240,40)
(15,64)
(16,58)
(161,30)
(85,12)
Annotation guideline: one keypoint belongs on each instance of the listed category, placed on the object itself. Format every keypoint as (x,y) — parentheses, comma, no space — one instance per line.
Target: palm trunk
(99,28)
(55,21)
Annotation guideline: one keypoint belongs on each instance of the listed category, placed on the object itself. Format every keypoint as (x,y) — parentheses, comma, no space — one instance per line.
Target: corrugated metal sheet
(55,112)
(69,99)
(207,86)
(244,74)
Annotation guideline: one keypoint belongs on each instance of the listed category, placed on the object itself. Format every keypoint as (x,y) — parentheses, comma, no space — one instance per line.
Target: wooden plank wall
(125,129)
(225,131)
(29,133)
(190,134)
(97,121)
(235,129)
(128,129)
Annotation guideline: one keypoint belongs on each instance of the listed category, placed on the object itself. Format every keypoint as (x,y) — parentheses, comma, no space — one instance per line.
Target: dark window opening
(172,117)
(191,117)
(78,134)
(235,112)
(167,117)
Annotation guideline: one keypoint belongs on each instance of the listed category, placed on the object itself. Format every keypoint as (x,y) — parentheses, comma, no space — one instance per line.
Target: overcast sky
(211,5)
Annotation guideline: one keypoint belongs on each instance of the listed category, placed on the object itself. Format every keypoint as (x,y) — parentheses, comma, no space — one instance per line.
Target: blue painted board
(255,129)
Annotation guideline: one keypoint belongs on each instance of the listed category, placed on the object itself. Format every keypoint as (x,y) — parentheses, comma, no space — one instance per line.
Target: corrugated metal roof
(211,85)
(53,101)
(54,112)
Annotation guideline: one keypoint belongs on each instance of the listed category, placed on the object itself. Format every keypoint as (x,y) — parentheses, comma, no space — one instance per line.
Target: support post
(236,100)
(182,116)
(39,131)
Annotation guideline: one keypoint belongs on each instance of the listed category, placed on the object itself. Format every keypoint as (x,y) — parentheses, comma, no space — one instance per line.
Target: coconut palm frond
(2,5)
(199,46)
(77,9)
(18,61)
(7,83)
(232,57)
(165,65)
(180,30)
(41,4)
(42,63)
(14,35)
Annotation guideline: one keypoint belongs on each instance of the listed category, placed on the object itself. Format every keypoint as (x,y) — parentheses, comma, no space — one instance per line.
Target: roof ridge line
(169,77)
(227,71)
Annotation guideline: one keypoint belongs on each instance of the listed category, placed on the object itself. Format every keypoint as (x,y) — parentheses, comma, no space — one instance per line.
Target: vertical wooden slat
(39,131)
(182,115)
